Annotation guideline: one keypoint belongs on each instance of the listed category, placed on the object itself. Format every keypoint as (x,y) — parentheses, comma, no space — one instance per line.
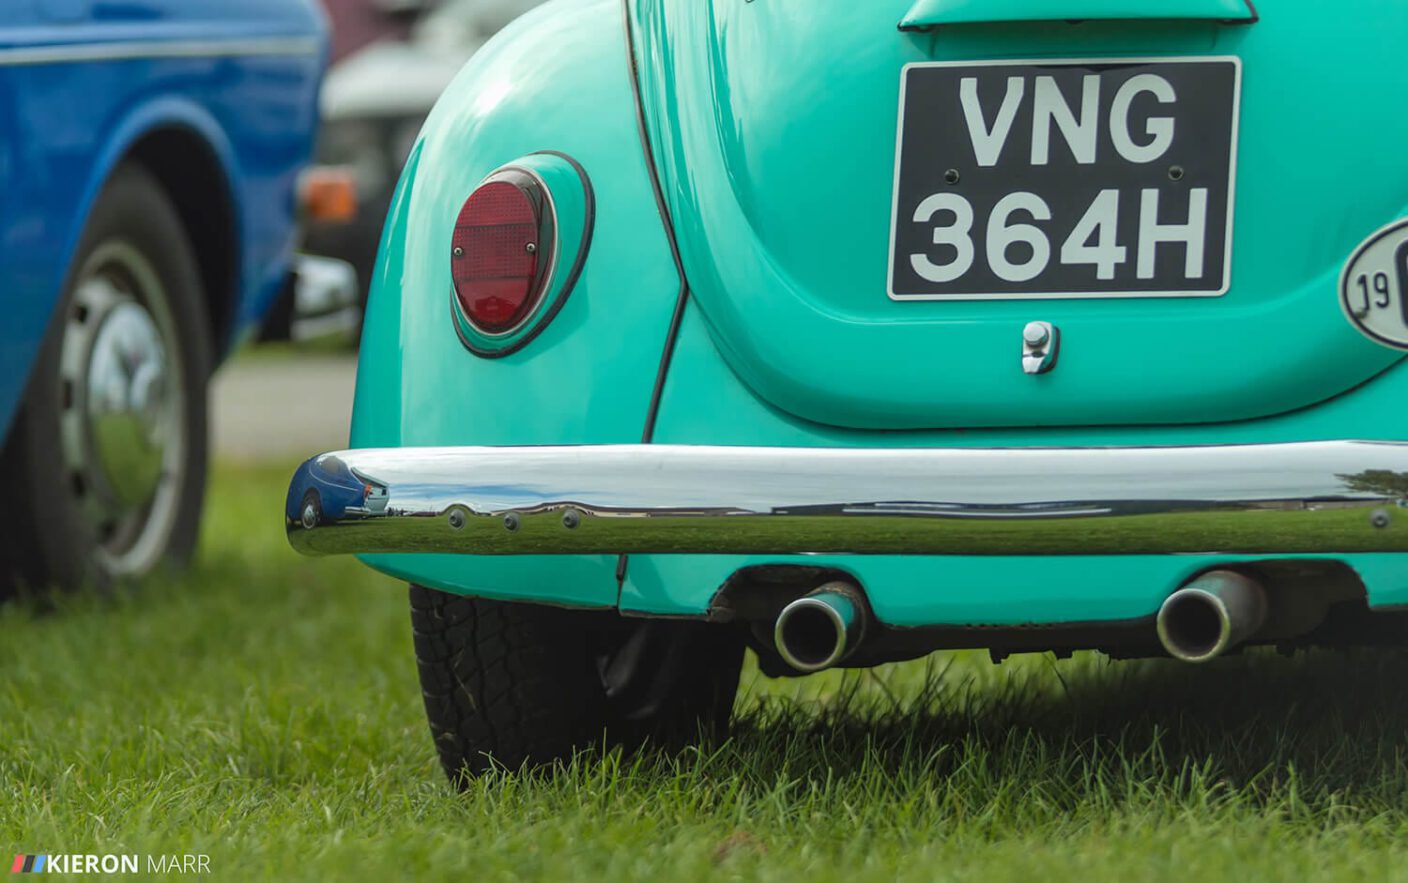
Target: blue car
(328,491)
(150,153)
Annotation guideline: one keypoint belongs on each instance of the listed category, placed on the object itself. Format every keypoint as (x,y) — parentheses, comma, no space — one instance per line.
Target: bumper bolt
(457,519)
(511,522)
(571,519)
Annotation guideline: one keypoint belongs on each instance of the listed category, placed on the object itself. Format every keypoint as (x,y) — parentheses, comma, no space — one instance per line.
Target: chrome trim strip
(1307,497)
(152,49)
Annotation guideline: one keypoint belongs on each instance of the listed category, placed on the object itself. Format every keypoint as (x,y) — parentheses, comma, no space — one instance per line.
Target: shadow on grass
(1321,733)
(1309,731)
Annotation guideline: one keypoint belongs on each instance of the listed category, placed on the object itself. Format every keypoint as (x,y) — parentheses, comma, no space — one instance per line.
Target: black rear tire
(311,501)
(55,540)
(525,685)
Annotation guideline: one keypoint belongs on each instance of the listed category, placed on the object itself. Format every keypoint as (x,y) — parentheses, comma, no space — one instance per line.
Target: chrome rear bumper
(1311,497)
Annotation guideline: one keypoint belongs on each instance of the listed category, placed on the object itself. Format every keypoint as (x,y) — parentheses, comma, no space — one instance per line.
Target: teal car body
(744,303)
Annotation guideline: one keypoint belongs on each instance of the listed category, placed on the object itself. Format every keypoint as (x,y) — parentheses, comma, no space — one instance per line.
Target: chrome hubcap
(127,403)
(122,422)
(310,516)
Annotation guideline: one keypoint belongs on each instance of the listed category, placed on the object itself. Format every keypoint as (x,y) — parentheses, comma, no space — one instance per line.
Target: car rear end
(1027,326)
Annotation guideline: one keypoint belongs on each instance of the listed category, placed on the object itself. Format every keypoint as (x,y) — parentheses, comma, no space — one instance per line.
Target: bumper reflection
(1339,496)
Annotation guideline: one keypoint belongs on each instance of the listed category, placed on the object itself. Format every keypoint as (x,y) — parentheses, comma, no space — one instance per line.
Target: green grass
(264,710)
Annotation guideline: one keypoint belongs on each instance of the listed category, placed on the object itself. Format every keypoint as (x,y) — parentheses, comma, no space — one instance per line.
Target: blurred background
(280,400)
(367,128)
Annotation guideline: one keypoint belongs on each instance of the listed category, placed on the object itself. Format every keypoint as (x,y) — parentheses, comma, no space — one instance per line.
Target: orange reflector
(329,194)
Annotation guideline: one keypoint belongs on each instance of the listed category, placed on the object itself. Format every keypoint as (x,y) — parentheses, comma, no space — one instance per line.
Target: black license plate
(1105,178)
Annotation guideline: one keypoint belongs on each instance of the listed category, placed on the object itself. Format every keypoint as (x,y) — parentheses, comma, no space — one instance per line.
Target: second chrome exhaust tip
(821,628)
(1215,612)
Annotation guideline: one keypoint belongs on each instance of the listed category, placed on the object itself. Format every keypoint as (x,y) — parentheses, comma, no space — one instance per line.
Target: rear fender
(557,79)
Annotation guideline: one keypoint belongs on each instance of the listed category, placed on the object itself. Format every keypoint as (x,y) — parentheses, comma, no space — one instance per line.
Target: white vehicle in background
(369,125)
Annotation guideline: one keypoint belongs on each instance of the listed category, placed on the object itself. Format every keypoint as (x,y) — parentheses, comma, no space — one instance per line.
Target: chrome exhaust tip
(1215,612)
(821,628)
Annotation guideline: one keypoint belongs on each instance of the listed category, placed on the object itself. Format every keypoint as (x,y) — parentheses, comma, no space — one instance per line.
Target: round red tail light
(519,245)
(502,251)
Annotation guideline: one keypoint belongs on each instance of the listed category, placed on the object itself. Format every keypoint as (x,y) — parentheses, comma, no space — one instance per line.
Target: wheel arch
(195,181)
(185,148)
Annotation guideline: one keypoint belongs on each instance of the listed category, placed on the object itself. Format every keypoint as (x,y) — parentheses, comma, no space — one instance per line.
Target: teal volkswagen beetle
(852,331)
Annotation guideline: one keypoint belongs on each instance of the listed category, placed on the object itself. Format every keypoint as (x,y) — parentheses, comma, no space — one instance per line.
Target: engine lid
(786,158)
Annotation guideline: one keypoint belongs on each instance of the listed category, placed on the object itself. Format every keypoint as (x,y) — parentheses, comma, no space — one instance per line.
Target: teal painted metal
(800,127)
(572,219)
(931,13)
(557,79)
(961,590)
(790,340)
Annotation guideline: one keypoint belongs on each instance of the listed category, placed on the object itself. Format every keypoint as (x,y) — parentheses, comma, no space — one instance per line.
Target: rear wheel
(514,684)
(310,511)
(107,457)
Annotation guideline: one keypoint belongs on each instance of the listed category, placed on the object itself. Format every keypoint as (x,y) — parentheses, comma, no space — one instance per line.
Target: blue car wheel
(311,509)
(108,456)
